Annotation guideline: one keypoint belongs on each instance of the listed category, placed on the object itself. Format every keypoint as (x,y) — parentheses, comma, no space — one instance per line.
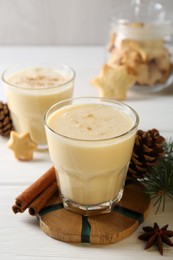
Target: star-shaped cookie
(22,145)
(114,82)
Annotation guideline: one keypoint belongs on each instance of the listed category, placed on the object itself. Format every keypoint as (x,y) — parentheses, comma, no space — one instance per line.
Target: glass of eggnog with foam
(31,89)
(90,142)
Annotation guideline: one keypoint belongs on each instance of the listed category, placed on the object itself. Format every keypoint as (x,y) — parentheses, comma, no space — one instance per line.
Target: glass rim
(33,65)
(93,140)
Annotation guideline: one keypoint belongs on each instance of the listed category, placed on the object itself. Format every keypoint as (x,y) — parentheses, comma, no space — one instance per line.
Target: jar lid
(143,19)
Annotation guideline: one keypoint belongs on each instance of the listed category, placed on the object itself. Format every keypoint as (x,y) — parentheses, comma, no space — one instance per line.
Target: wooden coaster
(68,226)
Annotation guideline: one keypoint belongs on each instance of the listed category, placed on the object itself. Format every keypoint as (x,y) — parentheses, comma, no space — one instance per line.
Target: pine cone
(148,148)
(6,124)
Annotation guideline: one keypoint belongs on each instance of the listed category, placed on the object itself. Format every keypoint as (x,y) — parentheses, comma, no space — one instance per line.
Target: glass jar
(140,40)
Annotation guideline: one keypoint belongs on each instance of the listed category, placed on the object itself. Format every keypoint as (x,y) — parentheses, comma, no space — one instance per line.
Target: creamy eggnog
(90,144)
(31,91)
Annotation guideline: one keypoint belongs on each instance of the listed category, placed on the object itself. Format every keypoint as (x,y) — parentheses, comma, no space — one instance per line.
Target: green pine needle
(169,148)
(159,180)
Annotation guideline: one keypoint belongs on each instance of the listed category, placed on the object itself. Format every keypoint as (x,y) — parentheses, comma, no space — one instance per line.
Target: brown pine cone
(6,124)
(148,148)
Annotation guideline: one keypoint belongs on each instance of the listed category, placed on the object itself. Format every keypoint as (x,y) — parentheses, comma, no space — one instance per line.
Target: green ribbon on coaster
(50,208)
(129,213)
(86,229)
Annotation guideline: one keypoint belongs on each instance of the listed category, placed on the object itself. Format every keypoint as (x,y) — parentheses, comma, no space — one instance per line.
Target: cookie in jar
(140,43)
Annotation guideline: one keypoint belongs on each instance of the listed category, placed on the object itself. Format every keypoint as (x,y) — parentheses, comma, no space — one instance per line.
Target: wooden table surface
(20,235)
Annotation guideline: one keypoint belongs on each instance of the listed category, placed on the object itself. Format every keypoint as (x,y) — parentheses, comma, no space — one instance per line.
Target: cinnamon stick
(34,190)
(41,200)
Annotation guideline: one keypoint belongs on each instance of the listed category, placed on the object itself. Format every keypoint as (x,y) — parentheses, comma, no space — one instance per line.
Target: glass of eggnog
(31,89)
(90,143)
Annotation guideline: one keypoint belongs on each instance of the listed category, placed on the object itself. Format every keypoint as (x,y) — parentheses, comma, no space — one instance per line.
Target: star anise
(157,235)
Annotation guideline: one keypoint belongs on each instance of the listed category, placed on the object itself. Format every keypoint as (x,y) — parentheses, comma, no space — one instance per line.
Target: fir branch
(169,149)
(159,179)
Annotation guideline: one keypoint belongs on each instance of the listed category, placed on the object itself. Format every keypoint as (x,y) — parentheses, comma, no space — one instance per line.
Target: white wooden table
(20,236)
